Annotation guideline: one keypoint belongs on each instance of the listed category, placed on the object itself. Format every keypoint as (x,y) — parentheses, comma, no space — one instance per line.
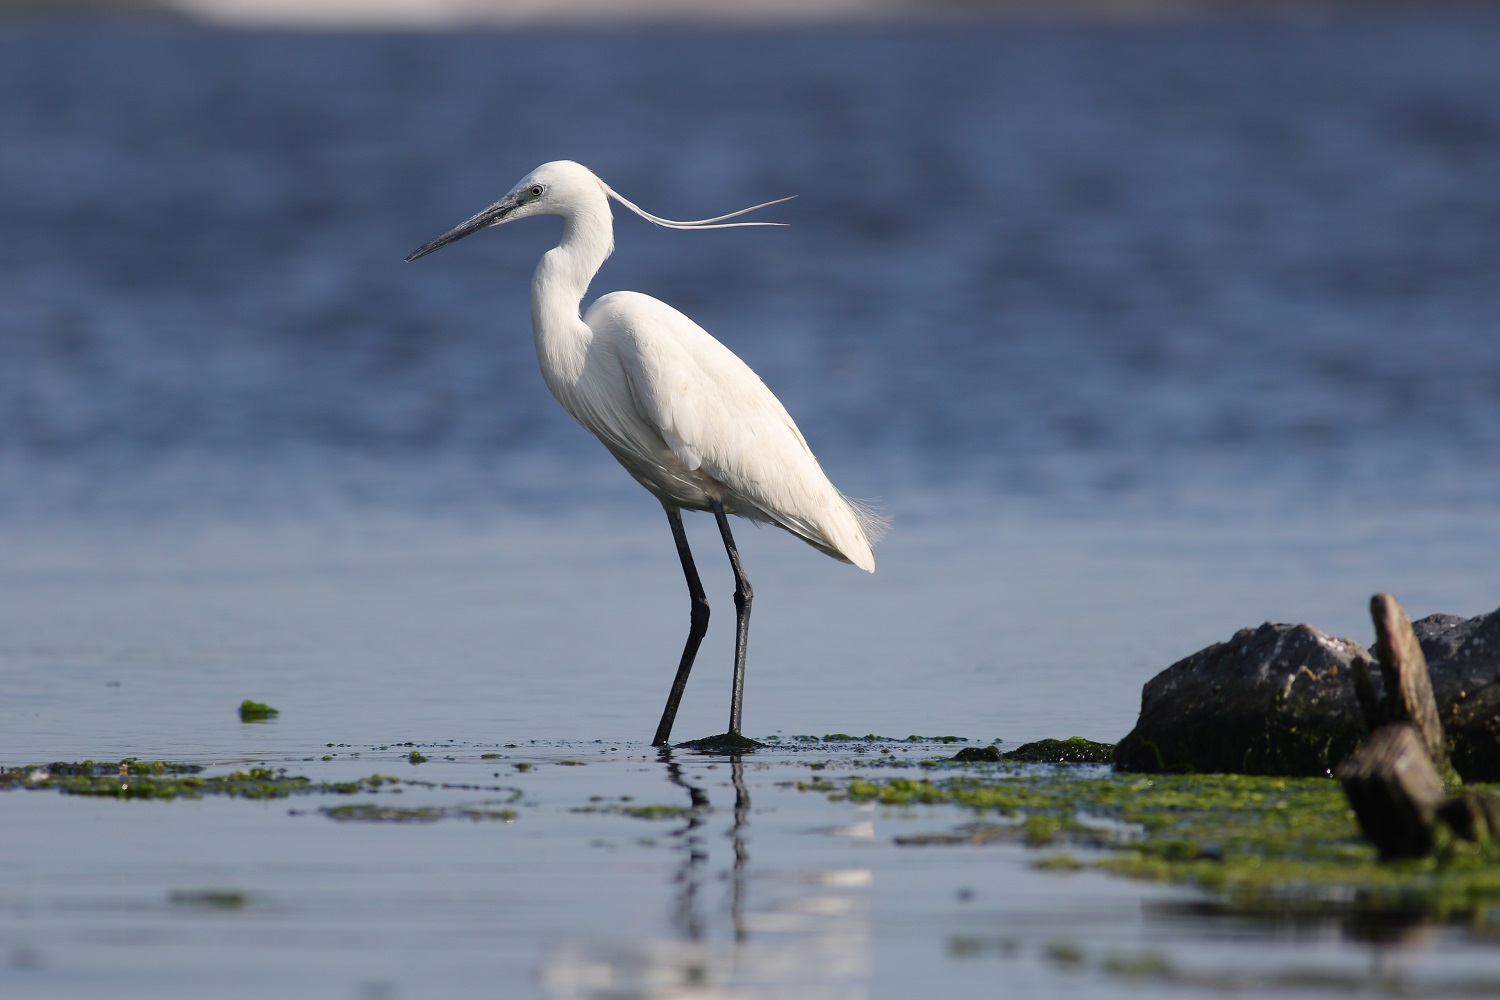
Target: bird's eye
(536,191)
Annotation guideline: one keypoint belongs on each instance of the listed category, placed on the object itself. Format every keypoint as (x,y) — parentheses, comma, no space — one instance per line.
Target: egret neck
(561,280)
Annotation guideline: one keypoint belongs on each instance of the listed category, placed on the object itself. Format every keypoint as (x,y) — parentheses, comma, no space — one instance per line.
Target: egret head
(565,188)
(557,188)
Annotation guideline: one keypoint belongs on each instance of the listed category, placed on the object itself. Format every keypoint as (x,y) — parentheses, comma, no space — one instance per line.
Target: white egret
(686,417)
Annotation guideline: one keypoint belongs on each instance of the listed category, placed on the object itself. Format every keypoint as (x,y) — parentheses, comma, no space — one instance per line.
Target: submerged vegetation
(167,780)
(648,812)
(369,812)
(1151,967)
(216,899)
(1074,750)
(1260,844)
(254,711)
(867,738)
(134,779)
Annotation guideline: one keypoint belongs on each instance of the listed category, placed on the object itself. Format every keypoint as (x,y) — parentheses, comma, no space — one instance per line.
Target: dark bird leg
(696,630)
(743,595)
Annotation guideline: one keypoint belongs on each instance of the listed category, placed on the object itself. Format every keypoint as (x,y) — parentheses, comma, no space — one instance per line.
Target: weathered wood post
(1395,791)
(1395,780)
(1403,667)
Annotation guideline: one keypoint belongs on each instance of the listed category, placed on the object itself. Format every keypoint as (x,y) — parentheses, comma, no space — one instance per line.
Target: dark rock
(1463,658)
(1441,635)
(1075,750)
(1369,692)
(977,755)
(724,743)
(1278,699)
(1395,791)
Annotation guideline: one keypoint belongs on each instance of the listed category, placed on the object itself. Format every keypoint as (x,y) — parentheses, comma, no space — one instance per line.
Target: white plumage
(686,417)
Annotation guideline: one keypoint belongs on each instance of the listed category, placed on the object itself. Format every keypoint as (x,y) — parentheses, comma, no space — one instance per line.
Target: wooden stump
(1408,686)
(1395,790)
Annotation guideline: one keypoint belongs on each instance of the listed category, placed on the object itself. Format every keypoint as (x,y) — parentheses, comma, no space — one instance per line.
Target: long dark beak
(492,216)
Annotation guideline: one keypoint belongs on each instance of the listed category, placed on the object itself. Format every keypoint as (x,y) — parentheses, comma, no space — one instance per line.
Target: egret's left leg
(743,595)
(697,627)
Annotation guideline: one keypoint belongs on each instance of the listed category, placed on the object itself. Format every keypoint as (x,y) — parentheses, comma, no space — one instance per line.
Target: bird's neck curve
(558,288)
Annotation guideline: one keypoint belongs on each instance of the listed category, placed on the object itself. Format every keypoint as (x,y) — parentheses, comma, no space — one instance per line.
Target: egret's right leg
(696,629)
(743,596)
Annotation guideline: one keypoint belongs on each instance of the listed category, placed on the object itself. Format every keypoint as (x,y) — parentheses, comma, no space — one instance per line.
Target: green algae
(1074,750)
(1157,968)
(646,812)
(214,899)
(501,814)
(1259,844)
(656,812)
(1066,954)
(374,812)
(166,780)
(725,743)
(369,812)
(254,711)
(870,738)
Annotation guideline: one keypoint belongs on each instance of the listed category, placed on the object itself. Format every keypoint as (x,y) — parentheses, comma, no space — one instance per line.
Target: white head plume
(717,222)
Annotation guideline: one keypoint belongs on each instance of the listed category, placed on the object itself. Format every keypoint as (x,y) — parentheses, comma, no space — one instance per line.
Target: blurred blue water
(1142,332)
(1082,264)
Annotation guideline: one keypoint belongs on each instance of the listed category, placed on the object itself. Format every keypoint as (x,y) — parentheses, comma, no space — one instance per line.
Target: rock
(1463,658)
(1395,791)
(1075,750)
(1441,635)
(1278,699)
(724,743)
(977,755)
(1282,699)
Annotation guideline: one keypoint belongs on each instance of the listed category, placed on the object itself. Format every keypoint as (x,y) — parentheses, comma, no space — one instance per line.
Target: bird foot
(730,743)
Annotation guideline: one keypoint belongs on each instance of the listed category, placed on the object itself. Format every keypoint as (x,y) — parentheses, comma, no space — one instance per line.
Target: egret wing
(730,433)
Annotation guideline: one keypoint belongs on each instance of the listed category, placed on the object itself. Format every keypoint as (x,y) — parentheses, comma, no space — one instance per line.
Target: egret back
(693,423)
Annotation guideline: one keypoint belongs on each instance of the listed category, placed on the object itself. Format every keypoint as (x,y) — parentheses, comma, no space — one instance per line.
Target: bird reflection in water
(687,916)
(806,931)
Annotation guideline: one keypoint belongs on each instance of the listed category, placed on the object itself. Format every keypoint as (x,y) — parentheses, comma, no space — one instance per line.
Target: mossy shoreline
(1260,845)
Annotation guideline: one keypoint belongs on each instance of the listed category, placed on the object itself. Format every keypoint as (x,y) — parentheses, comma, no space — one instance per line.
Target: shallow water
(743,887)
(1141,333)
